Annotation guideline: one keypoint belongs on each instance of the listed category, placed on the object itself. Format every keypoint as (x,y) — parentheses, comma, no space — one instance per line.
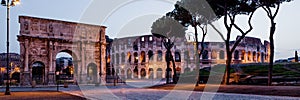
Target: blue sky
(134,17)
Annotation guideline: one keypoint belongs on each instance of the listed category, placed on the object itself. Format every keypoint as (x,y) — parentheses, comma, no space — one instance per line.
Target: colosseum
(143,57)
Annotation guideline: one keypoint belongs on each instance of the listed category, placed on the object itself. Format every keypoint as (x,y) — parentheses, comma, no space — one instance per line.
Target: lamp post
(8,5)
(57,80)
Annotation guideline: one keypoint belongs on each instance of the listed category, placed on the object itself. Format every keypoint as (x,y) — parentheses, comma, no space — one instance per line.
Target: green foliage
(181,15)
(216,70)
(193,12)
(168,27)
(195,73)
(232,7)
(270,3)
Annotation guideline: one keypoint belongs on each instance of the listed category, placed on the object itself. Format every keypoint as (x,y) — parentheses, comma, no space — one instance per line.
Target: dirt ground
(292,91)
(44,95)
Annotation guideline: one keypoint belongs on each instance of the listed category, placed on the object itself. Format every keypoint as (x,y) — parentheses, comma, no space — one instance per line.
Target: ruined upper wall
(56,29)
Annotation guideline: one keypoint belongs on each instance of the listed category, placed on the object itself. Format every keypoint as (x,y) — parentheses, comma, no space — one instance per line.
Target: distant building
(109,68)
(14,64)
(144,56)
(65,66)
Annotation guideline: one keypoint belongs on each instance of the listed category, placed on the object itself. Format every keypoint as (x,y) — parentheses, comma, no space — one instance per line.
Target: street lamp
(57,80)
(8,4)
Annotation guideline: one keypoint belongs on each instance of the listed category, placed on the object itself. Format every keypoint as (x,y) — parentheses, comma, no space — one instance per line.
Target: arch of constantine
(42,39)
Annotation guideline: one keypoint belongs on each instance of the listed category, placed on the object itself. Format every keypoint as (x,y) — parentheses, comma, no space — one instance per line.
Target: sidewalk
(292,91)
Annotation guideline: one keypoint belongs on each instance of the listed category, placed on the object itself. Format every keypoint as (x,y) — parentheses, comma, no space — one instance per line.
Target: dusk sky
(135,17)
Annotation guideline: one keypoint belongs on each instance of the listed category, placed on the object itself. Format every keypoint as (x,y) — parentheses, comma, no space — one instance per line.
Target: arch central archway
(66,63)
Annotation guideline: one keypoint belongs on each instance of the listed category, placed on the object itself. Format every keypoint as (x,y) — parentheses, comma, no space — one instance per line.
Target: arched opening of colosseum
(258,56)
(143,73)
(136,59)
(262,57)
(177,56)
(135,72)
(159,55)
(112,59)
(236,55)
(135,46)
(254,56)
(159,73)
(142,42)
(222,54)
(38,72)
(243,55)
(151,75)
(123,58)
(266,56)
(150,43)
(117,59)
(92,73)
(129,57)
(214,54)
(150,55)
(249,56)
(129,74)
(122,73)
(143,57)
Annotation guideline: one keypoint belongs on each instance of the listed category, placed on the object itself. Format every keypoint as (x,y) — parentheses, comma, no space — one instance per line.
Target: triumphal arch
(42,39)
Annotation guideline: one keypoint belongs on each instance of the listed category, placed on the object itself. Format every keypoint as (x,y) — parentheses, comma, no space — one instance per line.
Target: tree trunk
(272,31)
(201,51)
(168,65)
(296,56)
(197,54)
(168,72)
(174,70)
(227,70)
(228,60)
(197,41)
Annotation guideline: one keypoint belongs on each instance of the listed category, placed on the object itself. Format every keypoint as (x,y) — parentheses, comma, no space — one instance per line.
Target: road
(123,92)
(133,91)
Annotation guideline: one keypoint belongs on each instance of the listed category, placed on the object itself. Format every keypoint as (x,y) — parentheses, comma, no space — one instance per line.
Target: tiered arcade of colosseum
(143,57)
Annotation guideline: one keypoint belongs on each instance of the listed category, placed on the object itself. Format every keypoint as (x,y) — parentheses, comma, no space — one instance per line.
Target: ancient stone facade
(144,56)
(42,39)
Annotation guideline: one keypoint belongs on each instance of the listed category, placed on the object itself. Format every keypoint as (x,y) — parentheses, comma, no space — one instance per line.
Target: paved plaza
(132,90)
(122,92)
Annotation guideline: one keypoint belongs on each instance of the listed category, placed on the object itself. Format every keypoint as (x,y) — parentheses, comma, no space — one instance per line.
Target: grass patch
(195,72)
(278,70)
